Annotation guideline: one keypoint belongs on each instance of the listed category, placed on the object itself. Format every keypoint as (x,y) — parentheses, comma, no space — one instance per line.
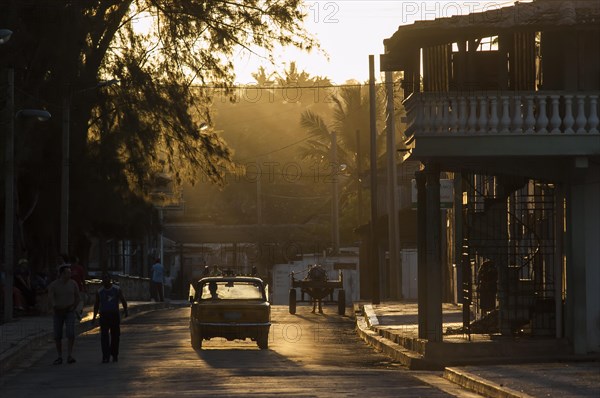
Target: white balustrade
(483,116)
(555,120)
(593,118)
(580,121)
(568,120)
(494,115)
(472,120)
(517,119)
(505,121)
(542,120)
(445,115)
(453,115)
(439,117)
(529,119)
(462,116)
(490,113)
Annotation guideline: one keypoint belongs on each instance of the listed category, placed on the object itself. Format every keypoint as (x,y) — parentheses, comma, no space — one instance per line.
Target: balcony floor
(546,156)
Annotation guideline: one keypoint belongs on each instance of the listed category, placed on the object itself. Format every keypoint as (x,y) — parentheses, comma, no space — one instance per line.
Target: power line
(281,149)
(275,87)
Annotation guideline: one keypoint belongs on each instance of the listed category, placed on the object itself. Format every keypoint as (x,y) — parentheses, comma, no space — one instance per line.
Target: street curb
(481,386)
(366,327)
(396,352)
(12,357)
(370,316)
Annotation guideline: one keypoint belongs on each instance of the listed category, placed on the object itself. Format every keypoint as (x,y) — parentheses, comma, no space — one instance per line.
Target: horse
(317,273)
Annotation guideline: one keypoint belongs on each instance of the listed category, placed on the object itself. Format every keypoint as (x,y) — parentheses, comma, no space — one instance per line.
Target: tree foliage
(262,128)
(164,53)
(349,118)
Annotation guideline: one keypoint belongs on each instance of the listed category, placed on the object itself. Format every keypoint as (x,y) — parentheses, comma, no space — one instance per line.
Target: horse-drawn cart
(317,286)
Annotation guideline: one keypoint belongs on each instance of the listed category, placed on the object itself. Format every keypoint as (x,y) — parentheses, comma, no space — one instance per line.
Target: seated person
(212,288)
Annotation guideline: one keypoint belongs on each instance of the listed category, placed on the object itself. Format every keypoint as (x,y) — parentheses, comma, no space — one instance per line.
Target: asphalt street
(310,355)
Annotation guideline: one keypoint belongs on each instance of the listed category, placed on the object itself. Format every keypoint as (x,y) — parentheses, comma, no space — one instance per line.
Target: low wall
(134,288)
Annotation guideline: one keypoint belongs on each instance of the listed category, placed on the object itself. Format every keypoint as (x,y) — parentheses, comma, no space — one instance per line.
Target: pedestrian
(22,281)
(63,298)
(317,273)
(78,274)
(158,280)
(107,305)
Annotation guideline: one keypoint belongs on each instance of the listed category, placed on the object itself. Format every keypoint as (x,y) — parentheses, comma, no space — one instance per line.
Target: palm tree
(350,120)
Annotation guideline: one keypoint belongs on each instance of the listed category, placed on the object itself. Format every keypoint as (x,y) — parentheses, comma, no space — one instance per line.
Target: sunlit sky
(350,30)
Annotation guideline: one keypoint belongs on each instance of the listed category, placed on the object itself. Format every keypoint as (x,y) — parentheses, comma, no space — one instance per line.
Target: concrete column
(582,313)
(592,263)
(559,227)
(434,263)
(421,253)
(458,234)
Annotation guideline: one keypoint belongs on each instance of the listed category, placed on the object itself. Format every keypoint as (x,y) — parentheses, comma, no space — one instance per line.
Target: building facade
(507,101)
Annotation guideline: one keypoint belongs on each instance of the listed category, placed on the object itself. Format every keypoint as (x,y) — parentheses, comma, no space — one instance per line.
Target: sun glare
(350,30)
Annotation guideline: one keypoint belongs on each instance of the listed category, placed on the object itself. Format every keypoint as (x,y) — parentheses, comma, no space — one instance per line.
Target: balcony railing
(490,112)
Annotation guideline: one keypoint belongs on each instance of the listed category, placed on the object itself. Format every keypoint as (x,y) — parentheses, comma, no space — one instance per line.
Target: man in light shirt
(63,297)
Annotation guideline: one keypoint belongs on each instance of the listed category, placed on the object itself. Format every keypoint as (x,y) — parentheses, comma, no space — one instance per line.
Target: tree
(275,187)
(122,136)
(262,128)
(350,120)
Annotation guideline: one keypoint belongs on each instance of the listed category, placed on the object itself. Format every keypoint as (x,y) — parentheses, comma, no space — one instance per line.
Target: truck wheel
(263,341)
(292,301)
(342,302)
(196,338)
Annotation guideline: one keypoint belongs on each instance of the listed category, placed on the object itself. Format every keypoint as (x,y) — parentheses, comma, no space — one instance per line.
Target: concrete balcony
(494,113)
(493,128)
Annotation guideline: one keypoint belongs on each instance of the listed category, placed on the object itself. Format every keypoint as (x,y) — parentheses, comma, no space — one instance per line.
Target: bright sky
(350,30)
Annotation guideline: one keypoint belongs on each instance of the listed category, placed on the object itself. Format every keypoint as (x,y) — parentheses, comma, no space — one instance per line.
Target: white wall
(409,274)
(282,280)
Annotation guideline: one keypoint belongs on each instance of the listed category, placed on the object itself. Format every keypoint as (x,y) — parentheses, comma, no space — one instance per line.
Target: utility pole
(8,78)
(335,224)
(359,179)
(373,152)
(393,233)
(64,179)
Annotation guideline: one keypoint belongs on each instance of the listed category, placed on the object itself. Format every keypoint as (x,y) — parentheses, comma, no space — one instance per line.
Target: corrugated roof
(539,15)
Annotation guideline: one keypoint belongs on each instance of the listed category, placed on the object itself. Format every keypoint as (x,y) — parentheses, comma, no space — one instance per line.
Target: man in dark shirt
(107,304)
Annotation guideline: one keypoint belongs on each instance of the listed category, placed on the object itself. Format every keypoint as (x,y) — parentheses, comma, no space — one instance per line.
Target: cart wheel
(292,301)
(342,302)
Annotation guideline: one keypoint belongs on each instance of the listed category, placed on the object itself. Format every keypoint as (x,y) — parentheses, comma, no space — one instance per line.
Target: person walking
(107,305)
(63,298)
(158,280)
(79,275)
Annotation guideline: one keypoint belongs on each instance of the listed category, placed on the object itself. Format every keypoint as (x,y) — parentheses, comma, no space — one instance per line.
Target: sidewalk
(25,334)
(492,367)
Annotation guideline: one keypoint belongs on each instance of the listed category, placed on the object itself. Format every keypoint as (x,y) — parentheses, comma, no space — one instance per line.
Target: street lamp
(9,181)
(5,35)
(65,169)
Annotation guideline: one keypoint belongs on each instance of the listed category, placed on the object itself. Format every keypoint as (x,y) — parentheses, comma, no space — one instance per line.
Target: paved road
(309,355)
